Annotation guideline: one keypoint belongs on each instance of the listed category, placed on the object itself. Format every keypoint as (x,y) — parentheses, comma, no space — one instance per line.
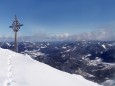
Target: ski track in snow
(9,81)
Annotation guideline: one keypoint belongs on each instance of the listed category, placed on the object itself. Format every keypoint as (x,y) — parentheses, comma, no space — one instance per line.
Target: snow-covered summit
(21,70)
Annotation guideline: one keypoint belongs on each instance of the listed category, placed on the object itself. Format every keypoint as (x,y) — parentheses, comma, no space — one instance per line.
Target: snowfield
(21,70)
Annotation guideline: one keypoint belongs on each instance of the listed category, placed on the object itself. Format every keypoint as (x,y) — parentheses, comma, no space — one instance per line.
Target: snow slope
(20,70)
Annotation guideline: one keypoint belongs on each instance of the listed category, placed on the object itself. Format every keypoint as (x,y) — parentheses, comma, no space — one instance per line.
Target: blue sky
(57,16)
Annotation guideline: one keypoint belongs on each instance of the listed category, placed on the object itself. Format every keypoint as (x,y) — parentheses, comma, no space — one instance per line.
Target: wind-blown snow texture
(21,70)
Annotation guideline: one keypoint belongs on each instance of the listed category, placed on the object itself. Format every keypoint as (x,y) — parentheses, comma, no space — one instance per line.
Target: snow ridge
(22,70)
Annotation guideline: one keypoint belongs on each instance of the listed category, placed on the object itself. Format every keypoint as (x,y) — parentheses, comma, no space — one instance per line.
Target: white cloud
(102,35)
(62,36)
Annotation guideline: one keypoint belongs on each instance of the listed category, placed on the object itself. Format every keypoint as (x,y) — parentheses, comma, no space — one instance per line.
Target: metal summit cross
(16,26)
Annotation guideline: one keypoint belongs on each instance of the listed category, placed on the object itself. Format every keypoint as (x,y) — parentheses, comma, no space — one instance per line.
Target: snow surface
(103,46)
(21,70)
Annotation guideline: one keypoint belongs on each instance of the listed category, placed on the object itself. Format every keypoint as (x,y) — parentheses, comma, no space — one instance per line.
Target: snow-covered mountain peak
(22,70)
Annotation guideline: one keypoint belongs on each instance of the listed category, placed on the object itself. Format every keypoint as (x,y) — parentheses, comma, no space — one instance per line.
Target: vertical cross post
(16,26)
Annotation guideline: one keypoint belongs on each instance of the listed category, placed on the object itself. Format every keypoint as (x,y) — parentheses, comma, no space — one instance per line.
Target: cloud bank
(101,35)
